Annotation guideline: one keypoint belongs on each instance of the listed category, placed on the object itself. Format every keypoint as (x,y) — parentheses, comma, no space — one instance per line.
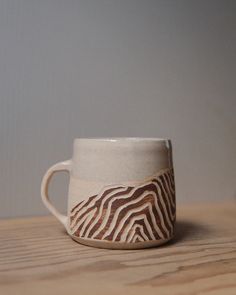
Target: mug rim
(122,139)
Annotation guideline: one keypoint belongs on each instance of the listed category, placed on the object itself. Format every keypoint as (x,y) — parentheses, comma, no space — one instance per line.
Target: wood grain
(38,257)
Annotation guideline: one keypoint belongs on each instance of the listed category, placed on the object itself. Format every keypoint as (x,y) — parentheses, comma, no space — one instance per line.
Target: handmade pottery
(121,192)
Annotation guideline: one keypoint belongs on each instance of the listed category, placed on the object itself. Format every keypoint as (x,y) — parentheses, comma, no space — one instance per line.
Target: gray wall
(82,68)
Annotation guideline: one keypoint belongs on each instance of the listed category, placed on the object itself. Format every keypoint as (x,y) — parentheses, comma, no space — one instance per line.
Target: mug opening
(124,139)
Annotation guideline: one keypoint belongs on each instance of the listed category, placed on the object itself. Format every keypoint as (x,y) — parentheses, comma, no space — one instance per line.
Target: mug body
(121,192)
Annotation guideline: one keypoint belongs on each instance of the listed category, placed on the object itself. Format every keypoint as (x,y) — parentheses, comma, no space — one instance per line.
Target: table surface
(38,257)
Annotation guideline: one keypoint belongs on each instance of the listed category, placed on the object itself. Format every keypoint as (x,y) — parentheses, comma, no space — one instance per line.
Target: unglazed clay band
(128,214)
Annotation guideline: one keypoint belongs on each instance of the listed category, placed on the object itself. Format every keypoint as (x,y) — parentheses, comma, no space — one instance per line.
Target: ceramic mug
(121,192)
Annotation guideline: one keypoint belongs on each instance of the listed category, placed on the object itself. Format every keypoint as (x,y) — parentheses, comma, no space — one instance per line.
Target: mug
(121,192)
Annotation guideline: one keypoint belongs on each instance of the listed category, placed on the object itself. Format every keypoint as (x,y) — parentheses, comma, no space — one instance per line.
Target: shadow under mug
(121,192)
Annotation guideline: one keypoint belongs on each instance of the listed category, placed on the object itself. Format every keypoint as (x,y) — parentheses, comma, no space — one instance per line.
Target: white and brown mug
(121,192)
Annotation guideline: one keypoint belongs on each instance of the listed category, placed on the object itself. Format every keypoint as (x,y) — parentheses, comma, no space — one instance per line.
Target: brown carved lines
(128,213)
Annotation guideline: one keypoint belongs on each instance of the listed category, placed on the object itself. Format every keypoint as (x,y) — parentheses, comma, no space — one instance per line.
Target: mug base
(119,245)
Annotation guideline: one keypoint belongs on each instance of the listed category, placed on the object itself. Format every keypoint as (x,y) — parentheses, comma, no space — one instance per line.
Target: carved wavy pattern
(128,213)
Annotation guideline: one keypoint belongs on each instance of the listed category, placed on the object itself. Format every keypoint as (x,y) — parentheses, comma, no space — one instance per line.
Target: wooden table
(37,257)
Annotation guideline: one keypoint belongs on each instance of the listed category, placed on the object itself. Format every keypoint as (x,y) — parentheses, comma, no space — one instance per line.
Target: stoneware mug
(121,192)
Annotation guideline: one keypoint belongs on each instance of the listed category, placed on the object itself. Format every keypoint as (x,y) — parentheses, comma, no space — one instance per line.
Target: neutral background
(82,68)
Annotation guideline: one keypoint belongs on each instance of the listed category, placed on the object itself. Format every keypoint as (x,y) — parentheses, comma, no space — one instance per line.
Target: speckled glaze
(121,192)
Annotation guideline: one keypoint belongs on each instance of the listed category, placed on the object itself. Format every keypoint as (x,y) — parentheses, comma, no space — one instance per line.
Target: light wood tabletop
(38,257)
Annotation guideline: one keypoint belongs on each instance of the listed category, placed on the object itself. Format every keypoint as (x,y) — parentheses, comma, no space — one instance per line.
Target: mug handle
(61,166)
